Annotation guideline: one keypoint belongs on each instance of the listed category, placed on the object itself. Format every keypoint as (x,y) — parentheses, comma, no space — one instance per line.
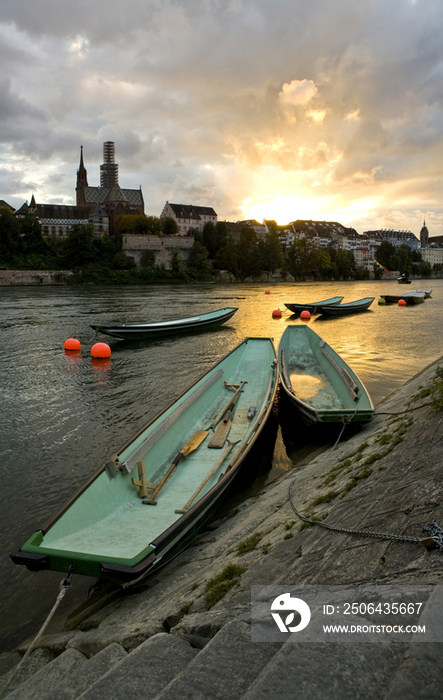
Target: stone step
(337,671)
(62,669)
(224,668)
(145,671)
(89,673)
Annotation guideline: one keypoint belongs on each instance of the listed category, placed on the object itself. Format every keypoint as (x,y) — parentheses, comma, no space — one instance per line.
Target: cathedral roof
(100,195)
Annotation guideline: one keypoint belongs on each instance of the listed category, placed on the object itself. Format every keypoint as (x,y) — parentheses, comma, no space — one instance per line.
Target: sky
(278,109)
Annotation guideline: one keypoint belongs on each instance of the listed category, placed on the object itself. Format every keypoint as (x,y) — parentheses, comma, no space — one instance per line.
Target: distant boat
(403,280)
(312,306)
(154,495)
(143,331)
(351,307)
(409,297)
(318,381)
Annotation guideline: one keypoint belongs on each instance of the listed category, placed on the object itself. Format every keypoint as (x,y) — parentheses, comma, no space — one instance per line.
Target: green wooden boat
(350,307)
(409,297)
(151,498)
(318,381)
(161,329)
(314,306)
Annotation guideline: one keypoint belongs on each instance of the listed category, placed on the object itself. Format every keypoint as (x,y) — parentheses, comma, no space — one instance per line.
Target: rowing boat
(350,307)
(152,497)
(318,381)
(313,306)
(409,297)
(143,331)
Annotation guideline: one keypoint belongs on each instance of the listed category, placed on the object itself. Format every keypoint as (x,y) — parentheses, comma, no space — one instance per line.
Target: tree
(269,252)
(246,250)
(77,249)
(199,259)
(386,256)
(169,226)
(138,223)
(10,239)
(175,261)
(148,259)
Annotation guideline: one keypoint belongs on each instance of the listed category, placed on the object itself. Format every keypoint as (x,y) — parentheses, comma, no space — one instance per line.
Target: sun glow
(282,209)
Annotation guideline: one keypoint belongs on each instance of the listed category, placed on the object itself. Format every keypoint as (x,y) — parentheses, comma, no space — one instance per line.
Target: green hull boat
(314,306)
(162,329)
(318,381)
(351,307)
(153,496)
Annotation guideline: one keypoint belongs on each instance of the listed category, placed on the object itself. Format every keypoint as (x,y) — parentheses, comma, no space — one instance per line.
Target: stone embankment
(161,639)
(18,278)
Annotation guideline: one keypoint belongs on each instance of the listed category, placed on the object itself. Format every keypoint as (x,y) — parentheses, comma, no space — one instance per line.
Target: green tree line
(220,246)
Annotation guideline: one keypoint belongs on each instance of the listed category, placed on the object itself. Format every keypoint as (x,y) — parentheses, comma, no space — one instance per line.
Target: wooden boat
(155,494)
(409,297)
(318,381)
(351,307)
(143,331)
(427,293)
(403,280)
(313,306)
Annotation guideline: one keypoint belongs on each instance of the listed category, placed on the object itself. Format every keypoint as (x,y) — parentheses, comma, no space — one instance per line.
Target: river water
(63,415)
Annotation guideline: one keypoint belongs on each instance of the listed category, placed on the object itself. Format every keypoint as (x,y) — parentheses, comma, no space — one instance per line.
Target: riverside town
(106,238)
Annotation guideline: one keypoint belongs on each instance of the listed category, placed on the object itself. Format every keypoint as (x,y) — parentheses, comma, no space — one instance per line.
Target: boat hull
(318,381)
(145,331)
(352,307)
(108,530)
(313,307)
(409,297)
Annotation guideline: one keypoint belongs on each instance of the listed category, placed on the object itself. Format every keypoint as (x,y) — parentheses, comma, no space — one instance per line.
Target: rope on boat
(65,584)
(432,530)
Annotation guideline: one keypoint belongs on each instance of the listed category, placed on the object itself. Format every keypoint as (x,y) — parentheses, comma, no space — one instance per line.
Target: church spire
(82,180)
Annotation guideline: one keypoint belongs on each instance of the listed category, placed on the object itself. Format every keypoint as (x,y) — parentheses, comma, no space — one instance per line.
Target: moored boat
(404,279)
(318,381)
(143,331)
(350,307)
(151,498)
(409,297)
(313,306)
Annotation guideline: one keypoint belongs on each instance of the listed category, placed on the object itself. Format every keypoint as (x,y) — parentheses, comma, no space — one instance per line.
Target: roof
(5,204)
(189,211)
(100,195)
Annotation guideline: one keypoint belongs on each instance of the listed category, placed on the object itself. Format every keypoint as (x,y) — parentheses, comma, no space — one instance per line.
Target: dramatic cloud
(286,110)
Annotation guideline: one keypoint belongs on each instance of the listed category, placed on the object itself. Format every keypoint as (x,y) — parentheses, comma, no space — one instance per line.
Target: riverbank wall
(14,278)
(163,639)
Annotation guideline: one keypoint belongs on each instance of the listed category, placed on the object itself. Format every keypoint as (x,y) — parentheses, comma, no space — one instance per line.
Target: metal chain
(431,529)
(65,584)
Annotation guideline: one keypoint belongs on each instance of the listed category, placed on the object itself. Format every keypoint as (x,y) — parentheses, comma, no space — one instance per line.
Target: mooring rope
(65,584)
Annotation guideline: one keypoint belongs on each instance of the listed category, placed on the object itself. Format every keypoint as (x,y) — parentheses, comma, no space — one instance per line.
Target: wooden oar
(211,473)
(220,435)
(231,401)
(190,446)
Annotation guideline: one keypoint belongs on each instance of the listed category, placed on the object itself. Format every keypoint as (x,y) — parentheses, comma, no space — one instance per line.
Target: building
(397,238)
(5,205)
(188,216)
(95,205)
(59,219)
(113,199)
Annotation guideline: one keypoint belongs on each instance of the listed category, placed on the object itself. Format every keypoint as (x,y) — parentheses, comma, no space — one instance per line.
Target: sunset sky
(328,109)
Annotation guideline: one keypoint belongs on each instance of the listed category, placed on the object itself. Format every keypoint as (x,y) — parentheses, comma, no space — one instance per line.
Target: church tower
(109,169)
(82,181)
(424,236)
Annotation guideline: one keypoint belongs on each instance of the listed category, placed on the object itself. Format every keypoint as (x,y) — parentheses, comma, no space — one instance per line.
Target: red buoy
(267,291)
(305,315)
(276,313)
(401,302)
(72,344)
(101,350)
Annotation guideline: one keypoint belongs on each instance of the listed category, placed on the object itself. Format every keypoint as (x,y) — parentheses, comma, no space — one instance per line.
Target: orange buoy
(267,291)
(276,313)
(401,302)
(100,350)
(305,315)
(72,344)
